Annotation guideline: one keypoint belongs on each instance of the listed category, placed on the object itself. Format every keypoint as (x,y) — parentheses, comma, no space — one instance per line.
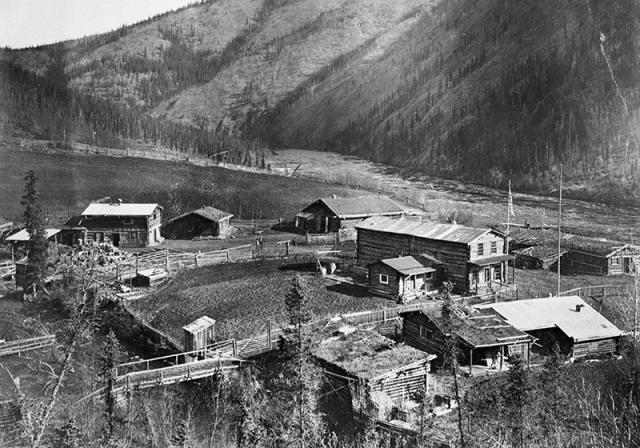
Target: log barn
(591,256)
(473,258)
(537,257)
(123,225)
(578,329)
(483,338)
(405,278)
(203,222)
(379,372)
(332,214)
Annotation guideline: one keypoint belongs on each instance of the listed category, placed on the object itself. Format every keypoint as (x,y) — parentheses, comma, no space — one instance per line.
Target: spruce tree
(111,355)
(517,397)
(34,223)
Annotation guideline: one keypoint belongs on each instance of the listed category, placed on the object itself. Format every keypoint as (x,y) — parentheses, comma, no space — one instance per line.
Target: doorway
(115,239)
(626,263)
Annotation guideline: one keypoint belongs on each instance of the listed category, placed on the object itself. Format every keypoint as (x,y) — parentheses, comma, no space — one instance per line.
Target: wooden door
(487,275)
(626,262)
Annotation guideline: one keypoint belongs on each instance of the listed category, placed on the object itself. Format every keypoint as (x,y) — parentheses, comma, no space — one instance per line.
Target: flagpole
(509,205)
(559,231)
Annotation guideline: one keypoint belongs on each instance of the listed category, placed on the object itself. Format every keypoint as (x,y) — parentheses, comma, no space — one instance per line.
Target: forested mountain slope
(486,90)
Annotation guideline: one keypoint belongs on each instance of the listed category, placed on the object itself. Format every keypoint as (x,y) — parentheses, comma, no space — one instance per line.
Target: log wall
(375,245)
(595,348)
(585,263)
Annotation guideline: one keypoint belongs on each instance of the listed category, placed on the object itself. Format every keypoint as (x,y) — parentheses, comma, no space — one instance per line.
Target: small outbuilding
(203,222)
(199,334)
(578,329)
(483,338)
(405,278)
(332,214)
(537,257)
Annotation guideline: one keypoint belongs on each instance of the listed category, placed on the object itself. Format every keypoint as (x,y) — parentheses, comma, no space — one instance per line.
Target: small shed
(537,257)
(23,236)
(578,329)
(150,277)
(405,278)
(203,222)
(483,338)
(199,334)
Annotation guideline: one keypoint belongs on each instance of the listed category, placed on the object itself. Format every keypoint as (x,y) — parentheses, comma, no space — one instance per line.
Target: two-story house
(474,259)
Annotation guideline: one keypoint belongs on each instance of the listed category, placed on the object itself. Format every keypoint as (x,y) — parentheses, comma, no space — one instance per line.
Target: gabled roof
(361,206)
(424,229)
(411,264)
(23,235)
(478,328)
(538,314)
(210,213)
(100,209)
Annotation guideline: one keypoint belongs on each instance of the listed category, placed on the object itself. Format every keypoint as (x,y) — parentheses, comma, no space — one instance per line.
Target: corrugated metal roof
(100,209)
(361,206)
(199,324)
(409,265)
(23,235)
(210,213)
(423,229)
(538,314)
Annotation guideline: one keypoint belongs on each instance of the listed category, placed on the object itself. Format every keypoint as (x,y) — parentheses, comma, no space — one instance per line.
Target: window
(128,220)
(425,333)
(494,247)
(428,275)
(384,279)
(497,275)
(480,249)
(616,261)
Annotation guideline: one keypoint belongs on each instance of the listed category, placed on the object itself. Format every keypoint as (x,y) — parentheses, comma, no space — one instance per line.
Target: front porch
(491,274)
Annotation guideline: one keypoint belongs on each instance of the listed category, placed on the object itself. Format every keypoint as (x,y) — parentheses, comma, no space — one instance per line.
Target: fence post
(166,260)
(287,254)
(384,316)
(137,264)
(235,348)
(196,257)
(269,334)
(227,252)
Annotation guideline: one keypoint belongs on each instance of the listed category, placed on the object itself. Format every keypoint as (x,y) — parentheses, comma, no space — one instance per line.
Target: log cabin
(578,329)
(405,278)
(590,256)
(203,222)
(123,225)
(483,338)
(474,259)
(331,214)
(378,371)
(538,257)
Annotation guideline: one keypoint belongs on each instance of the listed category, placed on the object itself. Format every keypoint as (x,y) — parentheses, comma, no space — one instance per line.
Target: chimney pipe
(578,307)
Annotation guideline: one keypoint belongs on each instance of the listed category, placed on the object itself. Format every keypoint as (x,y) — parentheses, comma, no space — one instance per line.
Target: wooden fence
(599,291)
(25,345)
(7,268)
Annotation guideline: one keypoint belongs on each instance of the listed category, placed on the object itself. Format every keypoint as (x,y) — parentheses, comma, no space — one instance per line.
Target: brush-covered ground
(241,297)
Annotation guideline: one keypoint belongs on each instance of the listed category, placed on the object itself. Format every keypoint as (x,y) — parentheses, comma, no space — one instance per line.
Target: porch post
(528,353)
(470,362)
(501,356)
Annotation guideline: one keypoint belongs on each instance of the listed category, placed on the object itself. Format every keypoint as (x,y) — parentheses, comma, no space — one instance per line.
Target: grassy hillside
(486,90)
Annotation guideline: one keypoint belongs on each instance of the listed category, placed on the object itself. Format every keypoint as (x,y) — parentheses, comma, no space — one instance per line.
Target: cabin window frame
(494,247)
(481,249)
(385,277)
(428,276)
(425,333)
(497,274)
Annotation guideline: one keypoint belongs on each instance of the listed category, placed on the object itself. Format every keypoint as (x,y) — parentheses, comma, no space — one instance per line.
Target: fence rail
(24,345)
(597,291)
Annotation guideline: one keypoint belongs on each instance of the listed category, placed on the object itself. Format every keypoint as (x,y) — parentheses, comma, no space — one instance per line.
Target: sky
(35,22)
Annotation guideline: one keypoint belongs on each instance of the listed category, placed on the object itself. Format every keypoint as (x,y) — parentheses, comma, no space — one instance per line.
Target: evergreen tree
(111,355)
(517,397)
(34,223)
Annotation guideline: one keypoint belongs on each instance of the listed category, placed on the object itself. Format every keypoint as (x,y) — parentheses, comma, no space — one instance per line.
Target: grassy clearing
(68,182)
(242,296)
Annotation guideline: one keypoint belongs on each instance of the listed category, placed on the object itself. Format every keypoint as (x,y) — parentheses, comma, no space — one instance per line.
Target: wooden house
(378,371)
(123,225)
(474,259)
(331,214)
(578,329)
(483,338)
(405,278)
(591,256)
(199,334)
(203,222)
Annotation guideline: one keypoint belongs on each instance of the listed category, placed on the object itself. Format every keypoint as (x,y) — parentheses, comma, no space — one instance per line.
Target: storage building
(203,222)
